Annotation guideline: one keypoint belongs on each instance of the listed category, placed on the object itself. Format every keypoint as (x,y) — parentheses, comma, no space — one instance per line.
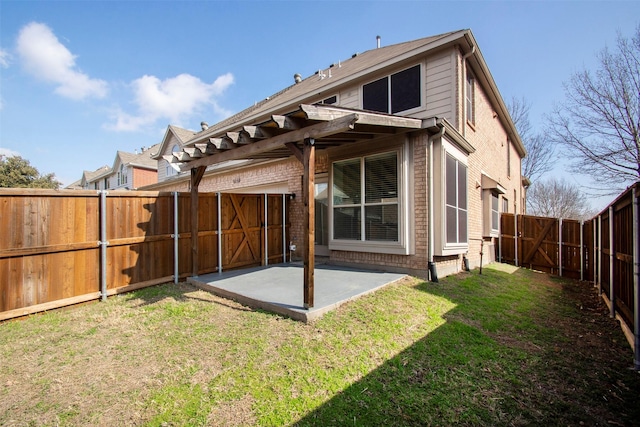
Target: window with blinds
(365,198)
(394,93)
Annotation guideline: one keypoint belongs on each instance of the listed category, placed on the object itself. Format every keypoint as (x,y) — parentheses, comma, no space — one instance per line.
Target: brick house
(408,151)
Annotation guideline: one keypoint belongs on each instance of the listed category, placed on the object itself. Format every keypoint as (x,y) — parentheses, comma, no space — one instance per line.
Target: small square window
(395,93)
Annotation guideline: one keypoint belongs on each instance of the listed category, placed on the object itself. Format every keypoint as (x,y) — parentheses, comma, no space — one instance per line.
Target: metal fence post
(560,247)
(219,233)
(284,231)
(176,237)
(612,295)
(581,250)
(636,278)
(599,255)
(103,244)
(515,233)
(593,254)
(266,229)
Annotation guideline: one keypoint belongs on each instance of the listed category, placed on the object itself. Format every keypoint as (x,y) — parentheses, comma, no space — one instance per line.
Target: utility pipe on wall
(433,275)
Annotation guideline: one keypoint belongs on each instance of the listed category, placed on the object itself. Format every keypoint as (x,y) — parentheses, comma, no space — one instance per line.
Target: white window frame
(388,77)
(441,149)
(403,245)
(470,95)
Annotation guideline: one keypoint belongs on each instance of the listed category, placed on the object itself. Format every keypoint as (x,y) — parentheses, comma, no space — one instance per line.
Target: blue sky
(82,79)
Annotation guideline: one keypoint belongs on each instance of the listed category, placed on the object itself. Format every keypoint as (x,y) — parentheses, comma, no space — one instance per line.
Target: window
(106,183)
(395,93)
(122,175)
(365,198)
(495,213)
(469,97)
(455,201)
(508,158)
(505,205)
(329,101)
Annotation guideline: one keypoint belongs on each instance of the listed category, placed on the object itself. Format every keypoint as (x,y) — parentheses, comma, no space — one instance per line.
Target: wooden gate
(539,243)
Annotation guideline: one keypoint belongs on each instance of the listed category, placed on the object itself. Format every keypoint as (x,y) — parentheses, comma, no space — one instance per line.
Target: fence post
(103,244)
(284,231)
(266,229)
(500,239)
(599,255)
(612,294)
(219,233)
(581,250)
(176,237)
(515,232)
(560,247)
(636,278)
(593,254)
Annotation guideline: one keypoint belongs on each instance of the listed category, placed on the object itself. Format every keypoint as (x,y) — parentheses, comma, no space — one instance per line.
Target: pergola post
(196,177)
(308,198)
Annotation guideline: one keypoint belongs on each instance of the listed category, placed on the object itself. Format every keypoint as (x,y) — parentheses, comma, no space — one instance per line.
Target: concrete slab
(279,288)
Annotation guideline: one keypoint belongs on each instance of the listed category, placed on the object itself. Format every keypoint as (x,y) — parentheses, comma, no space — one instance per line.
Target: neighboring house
(129,172)
(414,156)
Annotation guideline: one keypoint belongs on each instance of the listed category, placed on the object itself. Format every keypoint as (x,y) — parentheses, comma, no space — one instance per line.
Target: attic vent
(204,125)
(354,55)
(297,78)
(378,38)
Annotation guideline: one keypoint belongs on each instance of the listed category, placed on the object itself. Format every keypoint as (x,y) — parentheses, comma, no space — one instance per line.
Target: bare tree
(598,124)
(557,199)
(540,157)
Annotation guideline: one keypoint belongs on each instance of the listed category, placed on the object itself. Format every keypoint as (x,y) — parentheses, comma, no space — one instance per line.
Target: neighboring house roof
(90,176)
(141,160)
(76,185)
(182,135)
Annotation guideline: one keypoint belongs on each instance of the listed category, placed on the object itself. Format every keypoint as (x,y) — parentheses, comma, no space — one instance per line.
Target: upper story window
(329,101)
(122,175)
(395,93)
(470,87)
(508,159)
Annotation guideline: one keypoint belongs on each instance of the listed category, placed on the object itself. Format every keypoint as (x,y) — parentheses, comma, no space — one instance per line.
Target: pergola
(300,133)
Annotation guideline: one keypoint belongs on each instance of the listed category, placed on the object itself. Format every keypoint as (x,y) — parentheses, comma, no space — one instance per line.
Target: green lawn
(508,347)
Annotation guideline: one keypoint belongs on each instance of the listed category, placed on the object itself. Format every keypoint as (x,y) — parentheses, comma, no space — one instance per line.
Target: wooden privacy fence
(604,250)
(557,246)
(59,248)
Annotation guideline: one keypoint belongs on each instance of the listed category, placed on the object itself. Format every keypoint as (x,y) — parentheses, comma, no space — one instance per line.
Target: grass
(508,347)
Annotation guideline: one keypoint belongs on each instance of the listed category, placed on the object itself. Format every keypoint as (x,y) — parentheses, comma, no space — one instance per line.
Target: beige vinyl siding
(440,84)
(350,98)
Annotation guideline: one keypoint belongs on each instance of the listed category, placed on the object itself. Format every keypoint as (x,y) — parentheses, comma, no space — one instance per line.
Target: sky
(80,80)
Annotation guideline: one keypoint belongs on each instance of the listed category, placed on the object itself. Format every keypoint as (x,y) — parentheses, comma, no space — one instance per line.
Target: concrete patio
(279,288)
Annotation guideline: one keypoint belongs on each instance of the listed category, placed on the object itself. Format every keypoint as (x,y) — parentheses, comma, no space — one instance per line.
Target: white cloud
(8,153)
(172,99)
(4,58)
(46,58)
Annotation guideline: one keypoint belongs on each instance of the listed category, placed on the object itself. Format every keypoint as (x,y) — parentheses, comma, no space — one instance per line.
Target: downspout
(433,274)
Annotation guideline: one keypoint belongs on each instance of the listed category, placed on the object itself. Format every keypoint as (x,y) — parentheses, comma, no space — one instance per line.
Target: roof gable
(182,135)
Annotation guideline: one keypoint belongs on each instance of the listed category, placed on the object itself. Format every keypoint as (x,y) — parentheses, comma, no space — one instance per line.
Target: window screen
(455,201)
(375,96)
(405,89)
